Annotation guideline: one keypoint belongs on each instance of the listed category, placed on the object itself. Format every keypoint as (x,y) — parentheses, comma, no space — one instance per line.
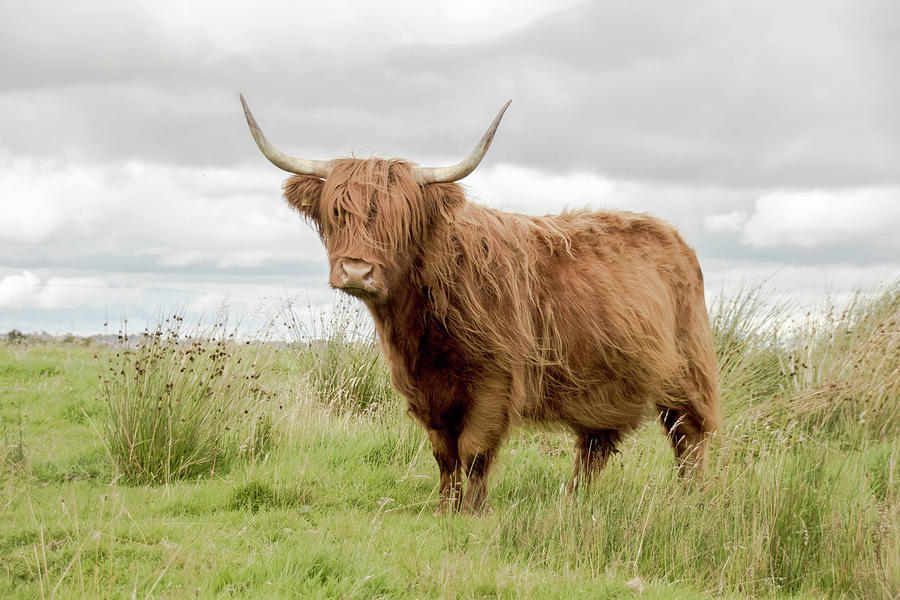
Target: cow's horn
(300,166)
(468,164)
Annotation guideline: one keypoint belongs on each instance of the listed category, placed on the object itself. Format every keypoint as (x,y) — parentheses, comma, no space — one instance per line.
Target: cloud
(41,200)
(39,300)
(135,167)
(149,217)
(173,215)
(140,216)
(27,290)
(533,191)
(816,218)
(732,221)
(538,192)
(724,94)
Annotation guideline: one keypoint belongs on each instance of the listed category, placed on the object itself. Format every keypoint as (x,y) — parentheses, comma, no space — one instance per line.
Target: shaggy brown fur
(595,320)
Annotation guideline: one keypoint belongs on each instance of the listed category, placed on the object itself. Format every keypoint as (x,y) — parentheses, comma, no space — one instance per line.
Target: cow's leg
(477,464)
(688,433)
(485,425)
(592,451)
(444,447)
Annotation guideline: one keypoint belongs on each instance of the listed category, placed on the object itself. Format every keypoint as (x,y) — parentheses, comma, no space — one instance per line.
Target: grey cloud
(74,259)
(727,246)
(724,93)
(728,93)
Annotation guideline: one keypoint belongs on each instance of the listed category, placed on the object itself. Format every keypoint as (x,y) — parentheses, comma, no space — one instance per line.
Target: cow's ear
(303,193)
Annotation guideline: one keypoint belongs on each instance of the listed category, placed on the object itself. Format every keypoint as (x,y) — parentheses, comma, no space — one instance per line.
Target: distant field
(321,487)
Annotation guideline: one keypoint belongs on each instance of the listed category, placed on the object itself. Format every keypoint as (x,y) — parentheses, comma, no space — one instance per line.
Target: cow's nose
(356,273)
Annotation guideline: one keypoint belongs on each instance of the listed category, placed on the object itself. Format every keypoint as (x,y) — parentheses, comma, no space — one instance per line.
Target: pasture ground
(797,503)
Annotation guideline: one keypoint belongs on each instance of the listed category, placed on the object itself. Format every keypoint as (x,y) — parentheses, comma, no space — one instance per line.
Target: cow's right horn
(468,164)
(299,166)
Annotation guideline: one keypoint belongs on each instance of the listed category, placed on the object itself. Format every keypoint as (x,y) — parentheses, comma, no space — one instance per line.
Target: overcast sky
(767,132)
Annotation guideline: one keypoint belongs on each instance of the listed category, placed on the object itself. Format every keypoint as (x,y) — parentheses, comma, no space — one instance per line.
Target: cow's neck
(397,319)
(406,321)
(403,319)
(407,324)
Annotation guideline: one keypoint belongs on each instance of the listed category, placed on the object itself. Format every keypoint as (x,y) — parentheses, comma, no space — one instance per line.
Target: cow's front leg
(485,425)
(444,448)
(476,463)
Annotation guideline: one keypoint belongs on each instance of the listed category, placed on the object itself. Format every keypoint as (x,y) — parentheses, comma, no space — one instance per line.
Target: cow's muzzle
(356,275)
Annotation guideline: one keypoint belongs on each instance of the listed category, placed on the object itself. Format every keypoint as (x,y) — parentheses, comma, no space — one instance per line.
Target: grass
(802,498)
(340,357)
(183,402)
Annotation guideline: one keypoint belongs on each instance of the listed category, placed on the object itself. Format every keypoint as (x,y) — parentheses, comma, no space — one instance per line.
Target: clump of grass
(747,331)
(255,495)
(846,371)
(339,354)
(12,443)
(835,373)
(182,403)
(14,336)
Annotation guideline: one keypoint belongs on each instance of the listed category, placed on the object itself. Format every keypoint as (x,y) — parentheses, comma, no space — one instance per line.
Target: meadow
(184,462)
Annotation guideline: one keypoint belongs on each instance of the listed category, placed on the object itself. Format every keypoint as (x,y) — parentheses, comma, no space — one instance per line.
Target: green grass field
(309,481)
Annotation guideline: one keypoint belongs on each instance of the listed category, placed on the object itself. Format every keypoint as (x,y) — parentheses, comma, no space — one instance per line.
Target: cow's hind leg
(444,447)
(689,407)
(688,432)
(592,451)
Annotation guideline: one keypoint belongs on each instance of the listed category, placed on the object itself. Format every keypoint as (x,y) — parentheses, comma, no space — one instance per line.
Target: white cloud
(149,167)
(814,218)
(532,191)
(42,200)
(538,192)
(18,290)
(27,290)
(732,221)
(40,299)
(180,216)
(798,288)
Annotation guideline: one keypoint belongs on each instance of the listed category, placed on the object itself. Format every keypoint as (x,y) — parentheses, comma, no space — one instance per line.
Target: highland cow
(593,320)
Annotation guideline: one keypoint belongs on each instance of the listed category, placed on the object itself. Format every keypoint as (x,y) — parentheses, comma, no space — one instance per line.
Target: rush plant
(181,403)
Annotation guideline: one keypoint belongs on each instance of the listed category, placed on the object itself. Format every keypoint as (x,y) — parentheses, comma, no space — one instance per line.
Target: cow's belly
(605,403)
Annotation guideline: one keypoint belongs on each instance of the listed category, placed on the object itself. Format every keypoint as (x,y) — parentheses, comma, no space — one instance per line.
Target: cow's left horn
(300,166)
(468,164)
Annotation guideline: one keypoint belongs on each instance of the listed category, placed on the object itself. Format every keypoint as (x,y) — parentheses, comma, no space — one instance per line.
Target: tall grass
(12,443)
(836,372)
(775,516)
(749,341)
(182,402)
(803,495)
(338,352)
(845,370)
(801,500)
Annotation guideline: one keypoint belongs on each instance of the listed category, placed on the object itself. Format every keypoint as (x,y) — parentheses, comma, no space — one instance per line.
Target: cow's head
(370,213)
